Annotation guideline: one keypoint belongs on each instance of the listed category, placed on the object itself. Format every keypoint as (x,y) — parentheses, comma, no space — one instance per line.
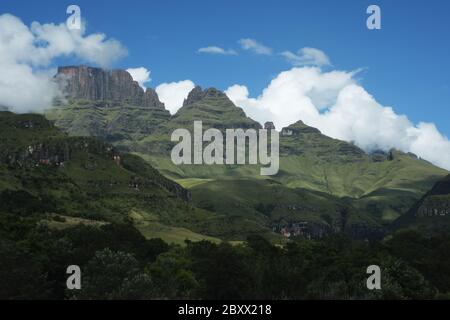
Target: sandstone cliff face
(82,82)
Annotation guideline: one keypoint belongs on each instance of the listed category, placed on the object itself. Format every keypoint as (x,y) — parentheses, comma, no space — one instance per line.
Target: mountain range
(112,161)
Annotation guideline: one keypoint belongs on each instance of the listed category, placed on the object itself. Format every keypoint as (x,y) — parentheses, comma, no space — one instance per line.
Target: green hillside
(111,121)
(319,174)
(43,171)
(431,213)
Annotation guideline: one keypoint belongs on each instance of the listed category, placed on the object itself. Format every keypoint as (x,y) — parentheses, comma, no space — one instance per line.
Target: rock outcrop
(198,94)
(95,84)
(195,95)
(151,99)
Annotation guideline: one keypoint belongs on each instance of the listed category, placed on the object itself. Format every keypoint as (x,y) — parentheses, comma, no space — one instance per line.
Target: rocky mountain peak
(213,93)
(195,95)
(198,94)
(96,84)
(297,128)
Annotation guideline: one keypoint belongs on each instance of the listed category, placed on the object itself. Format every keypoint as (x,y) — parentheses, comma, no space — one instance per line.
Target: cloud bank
(27,52)
(335,103)
(141,75)
(173,94)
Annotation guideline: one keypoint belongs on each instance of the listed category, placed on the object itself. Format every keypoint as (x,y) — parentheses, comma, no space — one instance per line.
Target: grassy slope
(380,191)
(384,189)
(437,200)
(107,120)
(90,184)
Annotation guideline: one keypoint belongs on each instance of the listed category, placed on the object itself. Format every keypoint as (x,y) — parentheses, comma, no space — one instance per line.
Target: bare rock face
(213,93)
(82,82)
(198,94)
(195,95)
(151,99)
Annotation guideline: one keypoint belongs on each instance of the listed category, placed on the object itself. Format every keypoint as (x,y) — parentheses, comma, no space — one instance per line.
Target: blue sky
(405,63)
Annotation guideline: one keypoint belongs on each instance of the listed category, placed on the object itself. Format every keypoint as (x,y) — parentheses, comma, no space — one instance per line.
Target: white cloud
(24,90)
(255,46)
(26,82)
(173,94)
(141,75)
(217,50)
(307,57)
(337,105)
